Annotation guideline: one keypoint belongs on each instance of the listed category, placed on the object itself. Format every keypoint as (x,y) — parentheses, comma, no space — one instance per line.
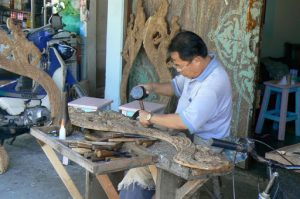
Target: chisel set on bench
(97,147)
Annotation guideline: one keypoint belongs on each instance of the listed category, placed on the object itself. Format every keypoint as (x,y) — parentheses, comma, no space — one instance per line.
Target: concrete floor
(246,186)
(31,176)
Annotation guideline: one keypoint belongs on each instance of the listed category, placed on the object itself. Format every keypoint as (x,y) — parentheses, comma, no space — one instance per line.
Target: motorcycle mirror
(56,22)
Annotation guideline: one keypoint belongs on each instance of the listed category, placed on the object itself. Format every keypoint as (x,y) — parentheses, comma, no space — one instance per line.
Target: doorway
(279,53)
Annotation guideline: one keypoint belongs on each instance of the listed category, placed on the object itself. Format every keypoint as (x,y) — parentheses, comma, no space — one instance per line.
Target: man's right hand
(148,87)
(165,89)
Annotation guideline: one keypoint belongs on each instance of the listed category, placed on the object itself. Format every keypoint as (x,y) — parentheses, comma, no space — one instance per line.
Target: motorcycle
(23,102)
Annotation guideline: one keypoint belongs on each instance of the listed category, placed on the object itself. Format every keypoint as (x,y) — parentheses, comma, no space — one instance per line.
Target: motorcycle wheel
(286,186)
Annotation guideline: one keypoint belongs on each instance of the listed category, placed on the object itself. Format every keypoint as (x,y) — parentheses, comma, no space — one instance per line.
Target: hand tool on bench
(145,143)
(96,137)
(81,151)
(106,153)
(91,145)
(125,139)
(130,135)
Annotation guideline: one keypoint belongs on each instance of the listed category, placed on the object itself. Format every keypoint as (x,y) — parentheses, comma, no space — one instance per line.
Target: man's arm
(160,88)
(172,121)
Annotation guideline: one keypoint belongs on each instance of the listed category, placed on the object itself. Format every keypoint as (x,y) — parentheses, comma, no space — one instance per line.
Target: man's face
(190,69)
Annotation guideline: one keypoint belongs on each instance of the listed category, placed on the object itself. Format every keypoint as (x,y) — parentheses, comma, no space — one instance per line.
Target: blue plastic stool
(280,113)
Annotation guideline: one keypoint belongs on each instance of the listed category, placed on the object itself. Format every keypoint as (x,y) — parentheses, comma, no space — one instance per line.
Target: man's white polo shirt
(205,103)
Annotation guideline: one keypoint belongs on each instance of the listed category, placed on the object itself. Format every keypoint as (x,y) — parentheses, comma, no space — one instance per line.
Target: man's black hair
(188,45)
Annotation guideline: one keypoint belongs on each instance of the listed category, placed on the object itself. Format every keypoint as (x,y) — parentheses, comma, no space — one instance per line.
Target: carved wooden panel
(133,43)
(232,31)
(154,35)
(22,57)
(186,11)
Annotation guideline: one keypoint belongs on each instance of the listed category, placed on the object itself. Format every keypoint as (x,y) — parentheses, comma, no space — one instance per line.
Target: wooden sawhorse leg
(189,188)
(67,180)
(61,171)
(168,186)
(102,186)
(107,186)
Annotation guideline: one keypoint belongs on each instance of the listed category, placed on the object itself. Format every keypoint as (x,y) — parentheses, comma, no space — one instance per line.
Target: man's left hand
(145,118)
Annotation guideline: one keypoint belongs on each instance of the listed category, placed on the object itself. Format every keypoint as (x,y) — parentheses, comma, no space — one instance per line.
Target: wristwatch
(148,116)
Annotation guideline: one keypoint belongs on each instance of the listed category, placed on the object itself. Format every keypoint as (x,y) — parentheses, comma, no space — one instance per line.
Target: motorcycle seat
(15,106)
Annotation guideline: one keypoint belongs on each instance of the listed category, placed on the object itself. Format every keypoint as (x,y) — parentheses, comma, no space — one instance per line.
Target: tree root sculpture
(188,154)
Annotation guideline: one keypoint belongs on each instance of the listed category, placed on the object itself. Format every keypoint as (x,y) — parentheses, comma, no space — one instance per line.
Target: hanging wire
(277,189)
(233,180)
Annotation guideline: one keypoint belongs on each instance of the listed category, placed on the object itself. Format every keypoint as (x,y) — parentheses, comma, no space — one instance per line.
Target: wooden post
(189,188)
(91,47)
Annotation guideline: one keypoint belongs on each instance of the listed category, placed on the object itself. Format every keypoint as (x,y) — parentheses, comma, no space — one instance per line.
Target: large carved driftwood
(22,57)
(188,154)
(155,36)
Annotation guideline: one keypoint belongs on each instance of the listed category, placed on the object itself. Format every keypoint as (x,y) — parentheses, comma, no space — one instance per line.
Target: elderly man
(204,107)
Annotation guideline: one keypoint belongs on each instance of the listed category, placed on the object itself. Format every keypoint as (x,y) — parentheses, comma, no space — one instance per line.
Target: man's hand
(165,89)
(145,118)
(172,121)
(148,87)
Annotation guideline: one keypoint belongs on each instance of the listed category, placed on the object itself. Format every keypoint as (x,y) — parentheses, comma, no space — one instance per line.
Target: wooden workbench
(160,154)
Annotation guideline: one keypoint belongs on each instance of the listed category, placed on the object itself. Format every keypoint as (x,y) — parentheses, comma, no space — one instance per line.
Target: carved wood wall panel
(133,43)
(186,11)
(232,31)
(22,57)
(154,35)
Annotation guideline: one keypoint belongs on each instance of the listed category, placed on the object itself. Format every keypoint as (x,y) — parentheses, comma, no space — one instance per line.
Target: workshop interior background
(245,35)
(232,31)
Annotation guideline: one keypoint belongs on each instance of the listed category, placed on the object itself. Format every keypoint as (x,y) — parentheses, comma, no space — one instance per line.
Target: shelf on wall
(20,15)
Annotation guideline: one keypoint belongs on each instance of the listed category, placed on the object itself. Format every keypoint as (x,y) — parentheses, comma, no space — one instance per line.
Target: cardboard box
(90,104)
(130,108)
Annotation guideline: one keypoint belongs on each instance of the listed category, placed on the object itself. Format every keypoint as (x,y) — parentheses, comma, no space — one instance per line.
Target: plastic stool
(280,113)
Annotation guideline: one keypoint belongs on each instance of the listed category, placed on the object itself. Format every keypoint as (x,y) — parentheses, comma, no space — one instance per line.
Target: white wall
(114,47)
(282,24)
